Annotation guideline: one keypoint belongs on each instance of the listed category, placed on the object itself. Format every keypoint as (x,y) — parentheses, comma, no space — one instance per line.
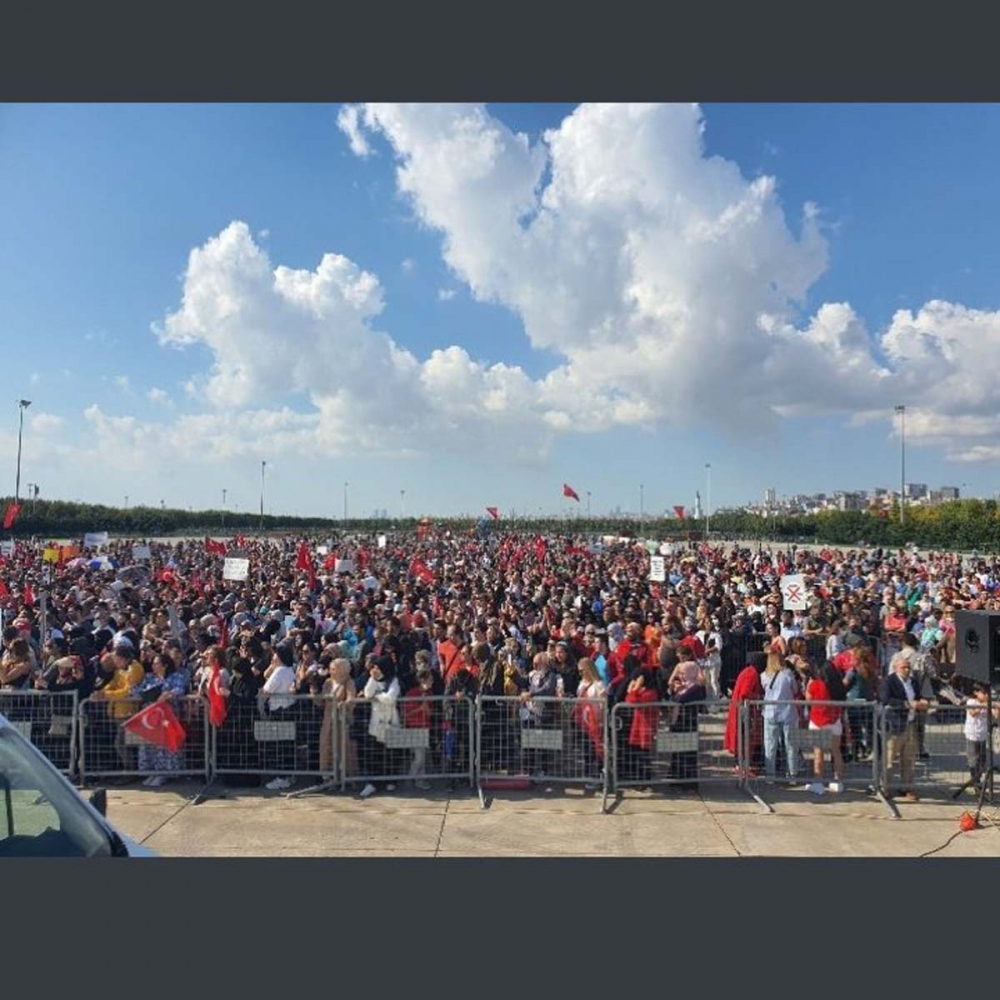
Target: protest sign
(794,593)
(657,569)
(140,552)
(235,569)
(95,539)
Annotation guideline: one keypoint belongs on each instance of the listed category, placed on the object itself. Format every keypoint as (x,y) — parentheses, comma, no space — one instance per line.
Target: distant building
(949,492)
(770,496)
(914,491)
(850,501)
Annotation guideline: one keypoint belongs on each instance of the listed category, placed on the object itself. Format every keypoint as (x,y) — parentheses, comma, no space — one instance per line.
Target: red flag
(540,548)
(568,491)
(214,548)
(363,557)
(13,509)
(494,513)
(4,591)
(679,511)
(330,562)
(421,571)
(29,596)
(158,724)
(223,632)
(304,560)
(218,704)
(241,542)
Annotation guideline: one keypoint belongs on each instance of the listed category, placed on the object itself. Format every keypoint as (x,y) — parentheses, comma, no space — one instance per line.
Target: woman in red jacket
(641,691)
(747,688)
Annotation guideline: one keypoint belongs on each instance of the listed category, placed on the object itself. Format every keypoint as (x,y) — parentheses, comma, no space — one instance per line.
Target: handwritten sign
(235,569)
(657,569)
(141,552)
(95,539)
(794,594)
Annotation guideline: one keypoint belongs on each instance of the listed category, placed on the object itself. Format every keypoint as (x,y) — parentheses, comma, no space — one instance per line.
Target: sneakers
(277,784)
(817,788)
(156,781)
(368,791)
(835,787)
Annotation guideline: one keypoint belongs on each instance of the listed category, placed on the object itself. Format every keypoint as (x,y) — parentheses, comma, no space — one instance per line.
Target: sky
(454,306)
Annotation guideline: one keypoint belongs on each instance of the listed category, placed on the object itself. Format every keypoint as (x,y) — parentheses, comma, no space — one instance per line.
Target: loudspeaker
(977,645)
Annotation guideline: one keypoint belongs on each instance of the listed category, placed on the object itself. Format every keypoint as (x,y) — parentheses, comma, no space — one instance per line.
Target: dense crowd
(378,622)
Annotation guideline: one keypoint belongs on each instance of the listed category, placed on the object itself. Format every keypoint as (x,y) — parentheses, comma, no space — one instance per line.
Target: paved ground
(720,823)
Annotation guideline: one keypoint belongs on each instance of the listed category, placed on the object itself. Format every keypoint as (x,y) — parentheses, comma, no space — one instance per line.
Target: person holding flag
(160,688)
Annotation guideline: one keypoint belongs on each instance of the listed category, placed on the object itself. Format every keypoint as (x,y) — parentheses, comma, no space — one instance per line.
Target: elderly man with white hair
(900,697)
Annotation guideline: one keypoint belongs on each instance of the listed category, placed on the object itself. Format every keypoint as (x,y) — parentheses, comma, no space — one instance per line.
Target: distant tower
(697,505)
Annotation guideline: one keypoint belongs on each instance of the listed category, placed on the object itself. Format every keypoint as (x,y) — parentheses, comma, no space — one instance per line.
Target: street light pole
(642,504)
(402,504)
(262,467)
(901,410)
(23,404)
(345,502)
(708,499)
(588,505)
(223,510)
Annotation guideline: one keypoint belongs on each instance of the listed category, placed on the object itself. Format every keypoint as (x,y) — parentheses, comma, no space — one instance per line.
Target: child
(417,715)
(977,732)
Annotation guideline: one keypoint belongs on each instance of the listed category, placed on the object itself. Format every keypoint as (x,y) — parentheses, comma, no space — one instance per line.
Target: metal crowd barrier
(542,740)
(107,749)
(49,720)
(279,736)
(784,746)
(931,754)
(419,740)
(671,743)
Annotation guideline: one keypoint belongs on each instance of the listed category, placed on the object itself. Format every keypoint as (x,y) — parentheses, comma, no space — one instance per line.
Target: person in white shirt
(836,643)
(279,683)
(977,733)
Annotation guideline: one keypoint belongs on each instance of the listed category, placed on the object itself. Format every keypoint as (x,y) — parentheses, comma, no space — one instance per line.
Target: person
(977,734)
(127,674)
(380,694)
(492,711)
(338,689)
(712,668)
(861,682)
(588,716)
(747,688)
(416,713)
(535,713)
(781,715)
(901,704)
(16,666)
(641,694)
(461,691)
(687,695)
(826,720)
(161,685)
(277,696)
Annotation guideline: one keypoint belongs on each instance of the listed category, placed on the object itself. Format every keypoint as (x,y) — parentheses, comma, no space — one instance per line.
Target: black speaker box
(977,645)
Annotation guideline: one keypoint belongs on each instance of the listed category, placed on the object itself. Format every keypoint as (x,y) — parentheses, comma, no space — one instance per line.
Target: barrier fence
(524,740)
(670,743)
(420,739)
(931,749)
(278,735)
(107,749)
(542,740)
(49,720)
(809,742)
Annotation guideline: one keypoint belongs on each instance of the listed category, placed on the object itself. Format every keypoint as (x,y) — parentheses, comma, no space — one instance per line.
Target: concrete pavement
(720,822)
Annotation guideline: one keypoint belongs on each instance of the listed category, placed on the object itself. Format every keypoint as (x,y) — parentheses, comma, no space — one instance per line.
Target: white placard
(7,548)
(95,539)
(794,593)
(322,550)
(381,541)
(666,549)
(657,569)
(235,569)
(140,552)
(344,566)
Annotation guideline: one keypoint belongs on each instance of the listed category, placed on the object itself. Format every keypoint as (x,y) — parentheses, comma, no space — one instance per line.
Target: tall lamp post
(588,505)
(402,504)
(263,465)
(708,499)
(23,404)
(642,503)
(901,410)
(345,502)
(224,510)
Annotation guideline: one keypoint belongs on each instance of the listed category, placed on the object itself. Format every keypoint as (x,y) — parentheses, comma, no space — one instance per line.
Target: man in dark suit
(900,697)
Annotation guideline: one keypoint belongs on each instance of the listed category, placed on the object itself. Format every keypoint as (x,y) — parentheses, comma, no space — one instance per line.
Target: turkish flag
(304,560)
(330,562)
(215,548)
(4,591)
(679,511)
(218,704)
(540,548)
(421,571)
(494,513)
(568,491)
(10,516)
(158,724)
(241,542)
(29,596)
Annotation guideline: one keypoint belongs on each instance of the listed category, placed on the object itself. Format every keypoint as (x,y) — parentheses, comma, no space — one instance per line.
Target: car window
(40,815)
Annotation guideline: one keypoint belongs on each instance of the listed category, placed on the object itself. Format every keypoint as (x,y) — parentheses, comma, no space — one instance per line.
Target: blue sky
(100,207)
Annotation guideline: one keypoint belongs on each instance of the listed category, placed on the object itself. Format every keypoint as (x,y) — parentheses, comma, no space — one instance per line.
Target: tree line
(959,524)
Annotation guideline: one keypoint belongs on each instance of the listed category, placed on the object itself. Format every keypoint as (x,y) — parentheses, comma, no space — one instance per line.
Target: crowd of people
(380,623)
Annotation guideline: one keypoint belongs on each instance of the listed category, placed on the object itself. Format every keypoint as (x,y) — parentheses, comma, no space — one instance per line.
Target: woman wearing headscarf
(747,688)
(338,690)
(161,684)
(687,697)
(236,744)
(380,694)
